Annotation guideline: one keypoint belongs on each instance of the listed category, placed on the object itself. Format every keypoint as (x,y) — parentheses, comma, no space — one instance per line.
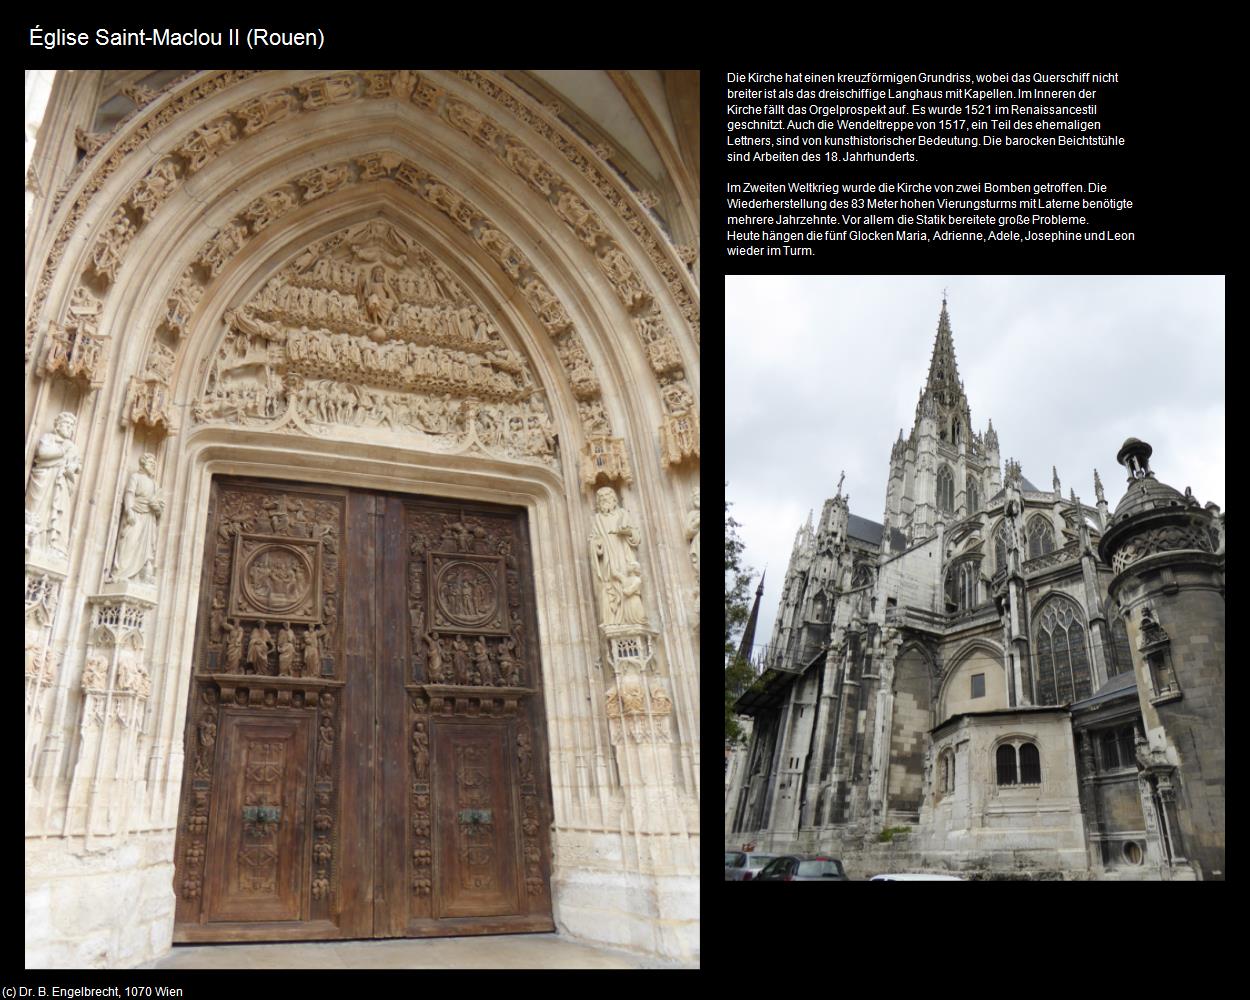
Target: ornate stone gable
(366,329)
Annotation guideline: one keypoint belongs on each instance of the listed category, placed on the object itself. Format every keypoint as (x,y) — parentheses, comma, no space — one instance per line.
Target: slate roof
(1117,687)
(870,532)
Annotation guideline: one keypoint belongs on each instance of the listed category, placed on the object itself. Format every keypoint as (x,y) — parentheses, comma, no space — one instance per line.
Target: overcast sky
(822,372)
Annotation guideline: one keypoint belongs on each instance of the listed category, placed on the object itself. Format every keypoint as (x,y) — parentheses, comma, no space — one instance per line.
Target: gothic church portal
(361,509)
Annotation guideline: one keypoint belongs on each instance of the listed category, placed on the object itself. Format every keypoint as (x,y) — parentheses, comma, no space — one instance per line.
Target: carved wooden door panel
(365,744)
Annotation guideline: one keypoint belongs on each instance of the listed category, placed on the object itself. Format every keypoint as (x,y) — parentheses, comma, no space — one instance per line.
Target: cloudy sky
(822,372)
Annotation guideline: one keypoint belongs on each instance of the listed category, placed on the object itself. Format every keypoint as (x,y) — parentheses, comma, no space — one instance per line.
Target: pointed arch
(1040,533)
(1060,638)
(945,490)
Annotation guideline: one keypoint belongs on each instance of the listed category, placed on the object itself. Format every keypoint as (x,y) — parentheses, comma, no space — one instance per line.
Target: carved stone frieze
(138,93)
(268,207)
(604,459)
(545,304)
(113,670)
(89,142)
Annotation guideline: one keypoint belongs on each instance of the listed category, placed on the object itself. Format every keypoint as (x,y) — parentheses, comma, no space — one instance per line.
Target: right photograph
(974,580)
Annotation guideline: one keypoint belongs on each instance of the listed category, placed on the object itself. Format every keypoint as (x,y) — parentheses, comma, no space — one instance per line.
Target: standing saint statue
(258,648)
(286,649)
(312,649)
(53,479)
(234,645)
(613,544)
(434,658)
(142,506)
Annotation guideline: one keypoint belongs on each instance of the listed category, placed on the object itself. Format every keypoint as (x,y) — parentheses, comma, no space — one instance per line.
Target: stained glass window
(1062,657)
(1122,657)
(1041,537)
(1000,547)
(973,496)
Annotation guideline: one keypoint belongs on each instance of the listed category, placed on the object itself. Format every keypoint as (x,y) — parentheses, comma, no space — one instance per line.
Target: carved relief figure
(312,649)
(525,756)
(509,669)
(460,659)
(420,750)
(613,544)
(434,658)
(258,649)
(142,506)
(325,748)
(234,646)
(286,650)
(53,479)
(482,670)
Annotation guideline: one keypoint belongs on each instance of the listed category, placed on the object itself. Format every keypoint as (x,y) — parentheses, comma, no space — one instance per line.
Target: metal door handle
(261,814)
(475,816)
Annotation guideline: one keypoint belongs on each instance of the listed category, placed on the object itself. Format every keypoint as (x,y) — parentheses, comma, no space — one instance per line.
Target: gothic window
(963,586)
(1006,759)
(1041,537)
(863,575)
(973,495)
(1000,547)
(1121,656)
(1030,765)
(945,490)
(1062,658)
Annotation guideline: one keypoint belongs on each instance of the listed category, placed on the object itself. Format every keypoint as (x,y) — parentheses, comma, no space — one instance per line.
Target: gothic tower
(943,471)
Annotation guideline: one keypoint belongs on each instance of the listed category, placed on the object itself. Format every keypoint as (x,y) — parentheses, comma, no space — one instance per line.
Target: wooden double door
(365,751)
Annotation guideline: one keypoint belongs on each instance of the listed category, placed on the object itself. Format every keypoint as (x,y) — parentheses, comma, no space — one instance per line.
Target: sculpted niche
(366,331)
(50,490)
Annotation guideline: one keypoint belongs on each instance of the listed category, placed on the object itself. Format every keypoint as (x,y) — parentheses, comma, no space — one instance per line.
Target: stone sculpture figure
(481,663)
(613,545)
(53,479)
(142,506)
(692,530)
(234,645)
(420,750)
(258,649)
(286,650)
(434,657)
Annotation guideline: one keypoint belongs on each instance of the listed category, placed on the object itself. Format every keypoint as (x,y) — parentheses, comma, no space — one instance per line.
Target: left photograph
(361,511)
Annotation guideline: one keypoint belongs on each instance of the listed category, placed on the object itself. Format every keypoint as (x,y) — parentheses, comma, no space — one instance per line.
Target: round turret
(1151,517)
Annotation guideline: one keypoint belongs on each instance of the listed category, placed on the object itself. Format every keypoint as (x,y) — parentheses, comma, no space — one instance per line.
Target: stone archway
(160,255)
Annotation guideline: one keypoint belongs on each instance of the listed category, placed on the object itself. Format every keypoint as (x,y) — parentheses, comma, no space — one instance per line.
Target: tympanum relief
(365,330)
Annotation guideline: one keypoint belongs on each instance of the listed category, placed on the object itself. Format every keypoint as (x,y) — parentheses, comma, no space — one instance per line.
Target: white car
(915,877)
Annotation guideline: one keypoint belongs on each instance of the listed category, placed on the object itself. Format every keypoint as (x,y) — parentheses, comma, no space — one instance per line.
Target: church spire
(748,635)
(943,381)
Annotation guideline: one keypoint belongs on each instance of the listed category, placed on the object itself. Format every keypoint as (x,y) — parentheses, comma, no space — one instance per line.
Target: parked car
(803,868)
(915,877)
(745,864)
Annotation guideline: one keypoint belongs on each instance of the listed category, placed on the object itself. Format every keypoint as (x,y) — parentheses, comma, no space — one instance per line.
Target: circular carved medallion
(466,594)
(277,578)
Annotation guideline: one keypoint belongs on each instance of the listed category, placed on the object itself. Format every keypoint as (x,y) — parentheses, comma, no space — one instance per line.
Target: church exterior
(995,678)
(361,512)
